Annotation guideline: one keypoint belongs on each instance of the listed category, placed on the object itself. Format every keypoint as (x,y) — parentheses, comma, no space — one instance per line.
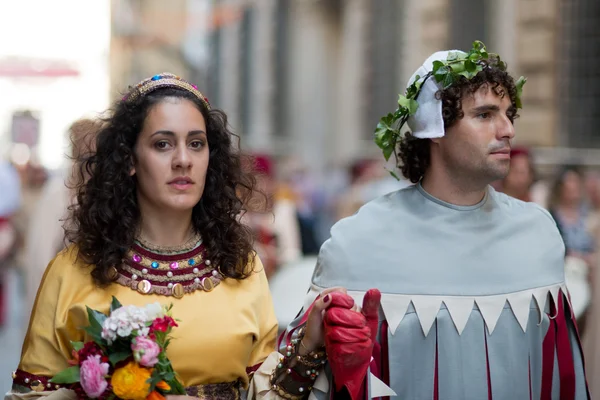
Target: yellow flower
(131,382)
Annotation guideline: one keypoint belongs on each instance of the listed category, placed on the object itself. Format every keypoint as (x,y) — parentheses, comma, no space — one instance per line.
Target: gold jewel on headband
(163,80)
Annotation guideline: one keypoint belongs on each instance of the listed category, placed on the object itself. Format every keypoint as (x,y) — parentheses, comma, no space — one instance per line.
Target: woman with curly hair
(157,219)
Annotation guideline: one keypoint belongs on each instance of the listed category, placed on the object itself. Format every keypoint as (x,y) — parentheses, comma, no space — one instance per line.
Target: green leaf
(388,120)
(448,81)
(96,318)
(387,152)
(115,304)
(117,357)
(519,86)
(478,45)
(392,173)
(77,345)
(69,375)
(452,56)
(413,106)
(380,132)
(484,55)
(437,65)
(458,67)
(403,101)
(95,335)
(441,73)
(470,66)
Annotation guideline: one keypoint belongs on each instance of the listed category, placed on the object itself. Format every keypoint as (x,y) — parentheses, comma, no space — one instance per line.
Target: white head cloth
(10,185)
(427,123)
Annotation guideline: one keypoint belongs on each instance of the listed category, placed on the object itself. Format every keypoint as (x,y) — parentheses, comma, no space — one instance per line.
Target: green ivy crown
(447,72)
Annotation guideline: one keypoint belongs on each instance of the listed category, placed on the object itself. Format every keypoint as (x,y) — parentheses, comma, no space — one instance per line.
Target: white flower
(124,331)
(154,310)
(123,321)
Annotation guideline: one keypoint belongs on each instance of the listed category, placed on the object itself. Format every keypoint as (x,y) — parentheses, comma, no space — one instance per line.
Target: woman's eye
(196,144)
(161,145)
(483,115)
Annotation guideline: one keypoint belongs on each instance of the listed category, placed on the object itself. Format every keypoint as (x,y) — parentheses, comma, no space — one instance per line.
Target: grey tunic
(469,294)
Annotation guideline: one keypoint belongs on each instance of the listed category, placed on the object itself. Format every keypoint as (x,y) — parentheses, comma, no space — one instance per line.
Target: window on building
(579,77)
(469,21)
(246,53)
(383,77)
(213,78)
(280,98)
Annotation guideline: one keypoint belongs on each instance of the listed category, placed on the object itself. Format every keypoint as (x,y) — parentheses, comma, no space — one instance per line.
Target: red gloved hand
(349,340)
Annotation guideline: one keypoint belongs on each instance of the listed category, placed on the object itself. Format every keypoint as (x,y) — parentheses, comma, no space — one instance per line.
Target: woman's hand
(314,336)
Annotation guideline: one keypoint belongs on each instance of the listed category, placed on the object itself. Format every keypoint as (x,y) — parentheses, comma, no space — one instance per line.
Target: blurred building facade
(312,77)
(153,36)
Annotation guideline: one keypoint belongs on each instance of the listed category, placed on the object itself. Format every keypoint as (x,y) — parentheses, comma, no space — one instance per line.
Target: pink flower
(145,351)
(92,376)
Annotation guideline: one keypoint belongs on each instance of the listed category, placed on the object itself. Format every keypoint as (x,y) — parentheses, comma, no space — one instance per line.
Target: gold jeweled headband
(163,80)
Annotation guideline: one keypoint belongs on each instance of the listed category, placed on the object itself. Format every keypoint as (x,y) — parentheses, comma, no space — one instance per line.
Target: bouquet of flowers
(126,358)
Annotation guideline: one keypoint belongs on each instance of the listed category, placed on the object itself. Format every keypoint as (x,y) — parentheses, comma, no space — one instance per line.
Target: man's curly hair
(104,221)
(414,154)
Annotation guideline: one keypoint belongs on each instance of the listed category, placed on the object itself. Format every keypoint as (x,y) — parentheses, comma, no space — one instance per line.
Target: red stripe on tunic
(566,365)
(548,347)
(385,357)
(436,388)
(487,365)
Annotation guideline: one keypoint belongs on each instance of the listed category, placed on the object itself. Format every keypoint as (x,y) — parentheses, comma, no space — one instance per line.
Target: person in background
(45,234)
(592,189)
(10,202)
(274,222)
(521,175)
(567,206)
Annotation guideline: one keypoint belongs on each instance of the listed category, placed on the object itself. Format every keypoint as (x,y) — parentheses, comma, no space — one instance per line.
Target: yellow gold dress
(222,335)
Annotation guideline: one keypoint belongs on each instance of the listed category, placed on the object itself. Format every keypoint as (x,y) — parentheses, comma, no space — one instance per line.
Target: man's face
(477,146)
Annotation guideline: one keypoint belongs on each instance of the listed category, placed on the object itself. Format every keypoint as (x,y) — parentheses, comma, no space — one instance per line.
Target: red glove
(349,340)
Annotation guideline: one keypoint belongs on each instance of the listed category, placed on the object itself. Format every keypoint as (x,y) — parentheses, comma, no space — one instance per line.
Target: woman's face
(171,157)
(519,177)
(571,191)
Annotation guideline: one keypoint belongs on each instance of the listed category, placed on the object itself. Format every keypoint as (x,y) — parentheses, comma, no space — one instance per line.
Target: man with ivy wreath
(462,287)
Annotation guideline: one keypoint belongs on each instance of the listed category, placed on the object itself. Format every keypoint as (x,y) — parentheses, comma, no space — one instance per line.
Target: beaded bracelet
(295,374)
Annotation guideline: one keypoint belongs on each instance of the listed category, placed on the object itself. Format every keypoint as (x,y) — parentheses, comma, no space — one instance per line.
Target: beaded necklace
(172,271)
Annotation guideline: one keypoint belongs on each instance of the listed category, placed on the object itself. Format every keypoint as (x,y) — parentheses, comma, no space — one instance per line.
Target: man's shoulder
(528,217)
(519,208)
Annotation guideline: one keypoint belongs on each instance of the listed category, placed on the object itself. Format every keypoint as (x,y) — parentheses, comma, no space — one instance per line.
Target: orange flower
(163,386)
(130,382)
(154,395)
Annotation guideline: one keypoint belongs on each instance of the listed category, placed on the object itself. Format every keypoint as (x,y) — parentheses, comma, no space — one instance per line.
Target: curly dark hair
(104,221)
(414,154)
